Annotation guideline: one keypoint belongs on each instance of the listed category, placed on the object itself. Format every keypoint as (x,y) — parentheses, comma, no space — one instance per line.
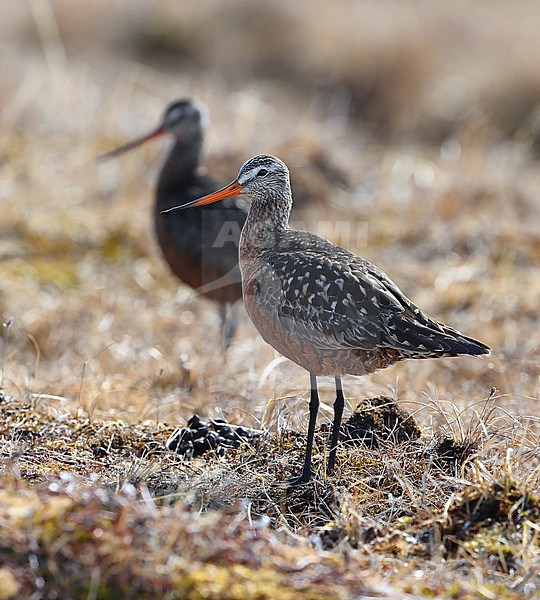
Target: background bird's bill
(133,144)
(233,189)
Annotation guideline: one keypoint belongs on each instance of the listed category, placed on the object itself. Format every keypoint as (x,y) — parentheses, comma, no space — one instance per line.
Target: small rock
(100,451)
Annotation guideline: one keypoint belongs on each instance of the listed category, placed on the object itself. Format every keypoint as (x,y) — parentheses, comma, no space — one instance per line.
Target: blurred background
(417,122)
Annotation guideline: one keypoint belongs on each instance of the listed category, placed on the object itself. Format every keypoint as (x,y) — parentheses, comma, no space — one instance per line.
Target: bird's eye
(262,173)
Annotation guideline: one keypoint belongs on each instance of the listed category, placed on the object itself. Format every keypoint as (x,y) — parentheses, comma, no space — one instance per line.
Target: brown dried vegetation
(411,140)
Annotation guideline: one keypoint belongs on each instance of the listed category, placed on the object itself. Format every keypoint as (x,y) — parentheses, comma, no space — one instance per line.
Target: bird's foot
(300,480)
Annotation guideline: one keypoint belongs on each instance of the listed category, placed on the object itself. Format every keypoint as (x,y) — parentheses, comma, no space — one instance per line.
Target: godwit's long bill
(320,305)
(193,244)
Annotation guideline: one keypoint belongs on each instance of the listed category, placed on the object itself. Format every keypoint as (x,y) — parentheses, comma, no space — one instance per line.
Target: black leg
(339,405)
(313,410)
(229,323)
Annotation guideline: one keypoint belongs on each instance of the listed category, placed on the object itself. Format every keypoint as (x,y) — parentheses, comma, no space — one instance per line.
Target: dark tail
(459,344)
(432,339)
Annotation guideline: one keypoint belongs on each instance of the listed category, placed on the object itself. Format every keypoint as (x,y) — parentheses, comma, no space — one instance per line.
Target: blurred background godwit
(201,247)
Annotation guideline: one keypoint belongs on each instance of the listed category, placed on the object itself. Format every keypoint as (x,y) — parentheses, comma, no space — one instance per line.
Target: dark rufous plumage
(200,246)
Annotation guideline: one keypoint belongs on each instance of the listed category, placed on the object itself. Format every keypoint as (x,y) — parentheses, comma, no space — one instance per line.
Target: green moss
(239,582)
(492,541)
(58,272)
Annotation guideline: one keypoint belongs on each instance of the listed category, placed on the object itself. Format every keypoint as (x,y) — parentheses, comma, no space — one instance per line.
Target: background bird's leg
(339,405)
(313,410)
(229,322)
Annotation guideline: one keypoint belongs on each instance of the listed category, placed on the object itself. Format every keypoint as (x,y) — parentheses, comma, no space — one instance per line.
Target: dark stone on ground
(449,454)
(202,436)
(377,420)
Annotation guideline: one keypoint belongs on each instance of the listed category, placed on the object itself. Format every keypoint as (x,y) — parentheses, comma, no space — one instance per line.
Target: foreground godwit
(200,247)
(320,305)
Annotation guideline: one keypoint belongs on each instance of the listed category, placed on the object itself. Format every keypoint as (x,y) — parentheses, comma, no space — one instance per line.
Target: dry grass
(420,132)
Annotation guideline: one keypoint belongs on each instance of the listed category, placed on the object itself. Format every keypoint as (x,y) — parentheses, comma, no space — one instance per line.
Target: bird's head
(182,118)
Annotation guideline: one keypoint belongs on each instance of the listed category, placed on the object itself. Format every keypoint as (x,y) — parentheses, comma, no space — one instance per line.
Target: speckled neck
(268,216)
